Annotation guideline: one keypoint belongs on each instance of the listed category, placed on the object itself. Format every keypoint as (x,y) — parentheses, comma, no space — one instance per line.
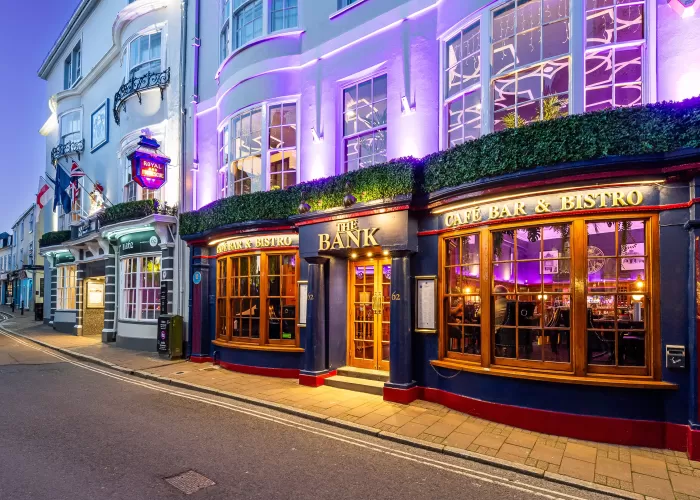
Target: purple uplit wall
(403,39)
(678,60)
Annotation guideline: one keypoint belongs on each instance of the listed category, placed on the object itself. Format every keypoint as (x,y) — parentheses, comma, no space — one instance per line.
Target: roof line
(49,60)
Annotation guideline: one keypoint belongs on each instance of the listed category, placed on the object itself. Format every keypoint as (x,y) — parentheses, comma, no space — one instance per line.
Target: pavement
(616,471)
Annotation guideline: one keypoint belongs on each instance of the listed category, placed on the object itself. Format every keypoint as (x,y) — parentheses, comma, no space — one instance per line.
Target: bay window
(283,14)
(256,298)
(246,168)
(258,150)
(282,145)
(70,126)
(65,287)
(247,21)
(140,288)
(145,55)
(225,33)
(530,78)
(365,123)
(615,36)
(510,300)
(134,192)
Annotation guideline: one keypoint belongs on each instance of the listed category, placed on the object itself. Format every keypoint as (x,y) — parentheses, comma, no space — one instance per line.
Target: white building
(113,76)
(27,274)
(5,268)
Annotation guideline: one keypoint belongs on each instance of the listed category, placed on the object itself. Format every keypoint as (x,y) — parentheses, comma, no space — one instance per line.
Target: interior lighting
(353,255)
(369,254)
(385,253)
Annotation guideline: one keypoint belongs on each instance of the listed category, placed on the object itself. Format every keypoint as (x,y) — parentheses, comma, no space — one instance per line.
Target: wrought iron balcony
(66,149)
(136,85)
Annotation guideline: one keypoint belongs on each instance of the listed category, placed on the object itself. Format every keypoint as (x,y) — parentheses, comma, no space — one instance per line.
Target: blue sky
(28,30)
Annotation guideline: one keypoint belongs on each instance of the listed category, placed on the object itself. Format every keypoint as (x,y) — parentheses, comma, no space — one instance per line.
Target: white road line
(437,464)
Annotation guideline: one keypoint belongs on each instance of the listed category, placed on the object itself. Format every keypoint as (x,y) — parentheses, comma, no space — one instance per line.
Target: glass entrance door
(370,283)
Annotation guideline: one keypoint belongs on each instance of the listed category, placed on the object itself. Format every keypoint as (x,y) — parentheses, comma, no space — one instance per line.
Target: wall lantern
(685,8)
(149,169)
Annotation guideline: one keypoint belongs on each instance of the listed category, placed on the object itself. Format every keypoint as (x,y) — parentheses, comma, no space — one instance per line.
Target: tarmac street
(73,430)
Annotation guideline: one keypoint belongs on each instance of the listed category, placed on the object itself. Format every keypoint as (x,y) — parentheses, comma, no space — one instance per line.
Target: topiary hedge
(134,210)
(53,238)
(655,128)
(385,181)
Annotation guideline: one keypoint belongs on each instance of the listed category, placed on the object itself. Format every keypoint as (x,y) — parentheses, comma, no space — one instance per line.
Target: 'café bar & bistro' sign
(553,203)
(259,242)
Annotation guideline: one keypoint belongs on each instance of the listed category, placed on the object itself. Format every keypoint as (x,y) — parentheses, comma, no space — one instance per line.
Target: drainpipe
(195,102)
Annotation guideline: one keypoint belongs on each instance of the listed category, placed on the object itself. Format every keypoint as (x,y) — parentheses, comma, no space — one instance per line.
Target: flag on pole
(42,196)
(61,196)
(76,171)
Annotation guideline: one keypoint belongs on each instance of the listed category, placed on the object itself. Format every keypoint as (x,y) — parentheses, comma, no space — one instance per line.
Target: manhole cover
(190,482)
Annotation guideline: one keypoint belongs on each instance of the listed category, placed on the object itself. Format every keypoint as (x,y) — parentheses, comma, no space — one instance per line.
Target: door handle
(377,300)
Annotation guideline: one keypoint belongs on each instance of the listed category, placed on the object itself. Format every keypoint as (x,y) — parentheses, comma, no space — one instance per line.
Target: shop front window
(617,294)
(256,299)
(140,279)
(463,294)
(531,295)
(65,287)
(571,296)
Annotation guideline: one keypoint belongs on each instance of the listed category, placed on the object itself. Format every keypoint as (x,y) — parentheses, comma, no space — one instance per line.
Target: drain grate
(190,482)
(180,373)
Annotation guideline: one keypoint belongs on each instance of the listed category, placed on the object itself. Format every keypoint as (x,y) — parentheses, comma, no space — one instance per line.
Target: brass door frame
(379,302)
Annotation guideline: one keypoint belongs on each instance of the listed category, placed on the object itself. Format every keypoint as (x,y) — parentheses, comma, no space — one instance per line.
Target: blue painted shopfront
(658,407)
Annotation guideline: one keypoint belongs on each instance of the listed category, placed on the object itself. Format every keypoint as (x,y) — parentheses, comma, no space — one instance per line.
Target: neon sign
(148,168)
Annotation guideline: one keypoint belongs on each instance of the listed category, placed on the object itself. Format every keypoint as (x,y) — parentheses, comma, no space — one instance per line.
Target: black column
(315,363)
(401,386)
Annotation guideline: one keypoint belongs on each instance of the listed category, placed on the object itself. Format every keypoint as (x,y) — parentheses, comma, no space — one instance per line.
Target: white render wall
(106,31)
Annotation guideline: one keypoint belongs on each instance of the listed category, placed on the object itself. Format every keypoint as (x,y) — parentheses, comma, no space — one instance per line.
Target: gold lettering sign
(348,235)
(282,240)
(560,203)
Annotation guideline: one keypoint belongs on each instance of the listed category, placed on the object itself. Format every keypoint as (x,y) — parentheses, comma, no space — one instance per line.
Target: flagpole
(86,175)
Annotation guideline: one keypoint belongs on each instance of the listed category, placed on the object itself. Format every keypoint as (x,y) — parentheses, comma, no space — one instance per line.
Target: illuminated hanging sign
(257,243)
(148,168)
(349,235)
(548,203)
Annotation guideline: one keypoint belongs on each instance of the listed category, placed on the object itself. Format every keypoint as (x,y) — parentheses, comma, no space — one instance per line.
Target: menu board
(425,304)
(95,294)
(303,296)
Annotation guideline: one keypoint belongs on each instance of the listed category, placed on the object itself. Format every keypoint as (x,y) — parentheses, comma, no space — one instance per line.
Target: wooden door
(370,282)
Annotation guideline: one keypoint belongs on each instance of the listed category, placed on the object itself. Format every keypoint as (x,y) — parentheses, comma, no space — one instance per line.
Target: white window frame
(66,279)
(138,287)
(285,13)
(478,87)
(372,130)
(648,87)
(61,133)
(224,159)
(225,29)
(577,51)
(132,191)
(75,71)
(236,11)
(128,67)
(265,148)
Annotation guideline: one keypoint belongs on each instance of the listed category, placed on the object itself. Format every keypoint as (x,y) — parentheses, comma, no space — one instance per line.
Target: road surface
(71,430)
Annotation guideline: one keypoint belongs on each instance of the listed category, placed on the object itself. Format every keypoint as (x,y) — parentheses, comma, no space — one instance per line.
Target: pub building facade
(533,303)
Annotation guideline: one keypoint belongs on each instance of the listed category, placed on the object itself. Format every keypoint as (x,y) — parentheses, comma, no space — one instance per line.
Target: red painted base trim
(586,427)
(693,437)
(259,370)
(201,359)
(403,396)
(315,380)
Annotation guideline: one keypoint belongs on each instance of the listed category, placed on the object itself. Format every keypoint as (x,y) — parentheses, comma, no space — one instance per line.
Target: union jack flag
(76,171)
